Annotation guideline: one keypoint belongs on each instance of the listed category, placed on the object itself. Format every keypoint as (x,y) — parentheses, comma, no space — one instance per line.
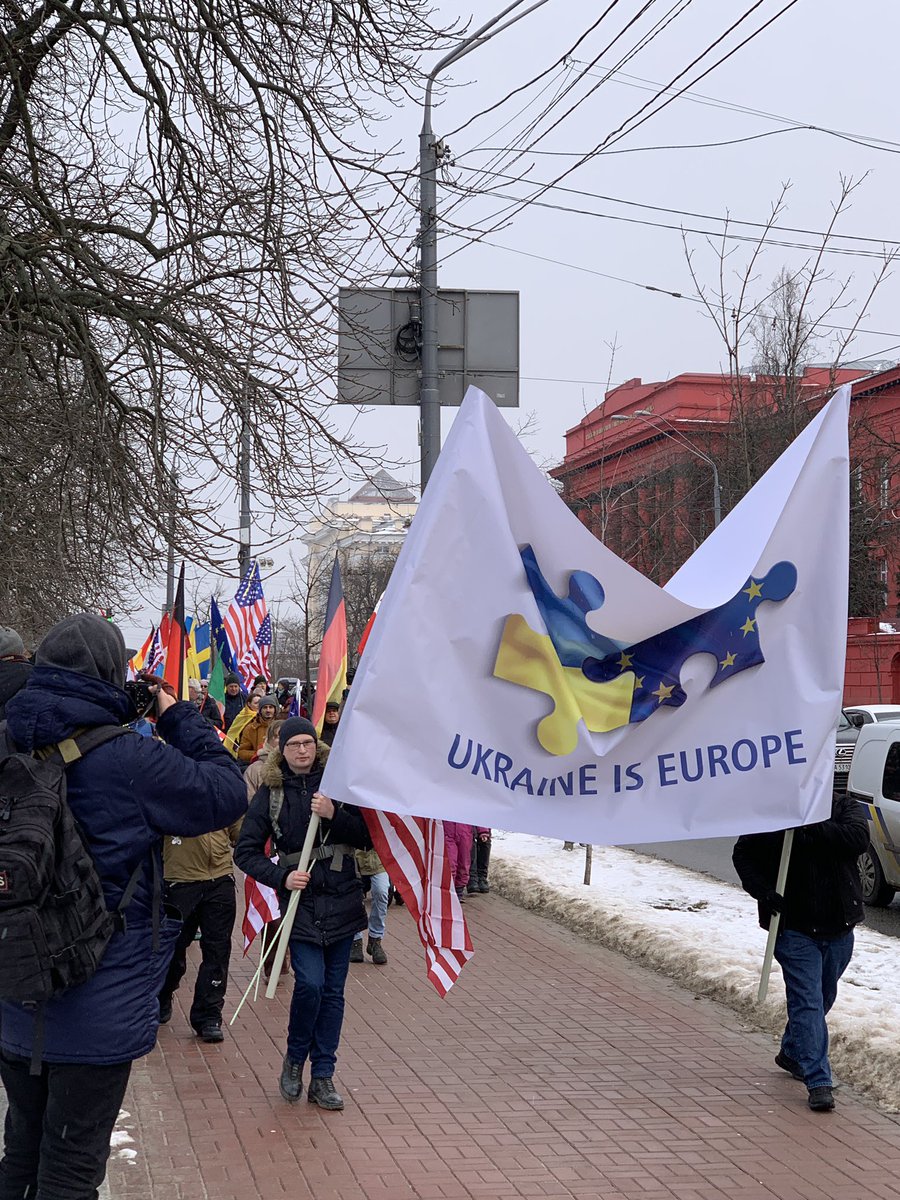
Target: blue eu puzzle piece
(730,632)
(564,619)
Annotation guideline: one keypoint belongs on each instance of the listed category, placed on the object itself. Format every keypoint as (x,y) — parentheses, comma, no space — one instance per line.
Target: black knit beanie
(293,726)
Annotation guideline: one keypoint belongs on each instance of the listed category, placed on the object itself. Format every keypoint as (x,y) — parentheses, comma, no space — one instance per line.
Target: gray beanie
(270,699)
(11,645)
(87,644)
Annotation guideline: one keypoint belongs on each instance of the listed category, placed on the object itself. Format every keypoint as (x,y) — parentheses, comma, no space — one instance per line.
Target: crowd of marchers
(167,797)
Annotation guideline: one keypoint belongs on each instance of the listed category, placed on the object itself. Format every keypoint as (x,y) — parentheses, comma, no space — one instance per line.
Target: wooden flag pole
(775,920)
(284,933)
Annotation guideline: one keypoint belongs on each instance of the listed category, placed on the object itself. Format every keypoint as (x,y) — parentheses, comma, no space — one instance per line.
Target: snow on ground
(706,935)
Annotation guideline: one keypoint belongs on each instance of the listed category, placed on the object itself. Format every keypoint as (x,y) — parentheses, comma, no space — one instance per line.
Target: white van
(874,781)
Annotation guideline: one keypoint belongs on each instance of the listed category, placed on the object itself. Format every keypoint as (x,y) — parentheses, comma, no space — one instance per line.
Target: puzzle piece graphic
(564,618)
(730,632)
(530,660)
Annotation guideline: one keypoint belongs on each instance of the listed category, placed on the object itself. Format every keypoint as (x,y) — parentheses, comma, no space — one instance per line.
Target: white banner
(520,675)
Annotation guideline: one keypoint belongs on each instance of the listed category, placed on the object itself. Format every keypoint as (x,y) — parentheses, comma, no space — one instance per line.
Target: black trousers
(209,906)
(481,858)
(58,1126)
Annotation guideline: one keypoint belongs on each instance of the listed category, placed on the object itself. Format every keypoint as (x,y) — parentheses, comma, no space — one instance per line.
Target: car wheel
(876,890)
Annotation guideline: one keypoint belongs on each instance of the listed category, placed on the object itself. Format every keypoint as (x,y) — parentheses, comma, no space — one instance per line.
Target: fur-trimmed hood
(273,773)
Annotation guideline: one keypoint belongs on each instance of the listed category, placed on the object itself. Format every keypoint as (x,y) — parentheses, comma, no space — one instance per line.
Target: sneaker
(789,1064)
(376,950)
(165,1011)
(321,1092)
(821,1099)
(356,954)
(212,1031)
(291,1082)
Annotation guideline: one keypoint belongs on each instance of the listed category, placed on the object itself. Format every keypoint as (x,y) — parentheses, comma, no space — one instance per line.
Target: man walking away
(822,902)
(199,874)
(125,795)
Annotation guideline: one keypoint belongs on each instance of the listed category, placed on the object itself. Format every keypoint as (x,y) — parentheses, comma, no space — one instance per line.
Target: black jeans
(209,906)
(58,1126)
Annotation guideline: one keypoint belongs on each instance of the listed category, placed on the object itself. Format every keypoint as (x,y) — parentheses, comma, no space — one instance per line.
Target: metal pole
(244,476)
(170,557)
(429,396)
(717,495)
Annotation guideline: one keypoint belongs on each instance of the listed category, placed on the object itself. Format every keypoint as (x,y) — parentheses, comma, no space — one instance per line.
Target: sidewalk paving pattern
(555,1069)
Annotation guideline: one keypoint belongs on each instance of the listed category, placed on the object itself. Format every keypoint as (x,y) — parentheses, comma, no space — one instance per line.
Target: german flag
(332,677)
(176,644)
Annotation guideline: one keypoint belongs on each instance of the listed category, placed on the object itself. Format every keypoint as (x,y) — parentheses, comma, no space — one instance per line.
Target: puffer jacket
(331,905)
(253,738)
(126,795)
(823,894)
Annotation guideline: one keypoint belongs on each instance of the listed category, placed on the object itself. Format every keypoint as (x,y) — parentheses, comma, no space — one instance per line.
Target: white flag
(521,676)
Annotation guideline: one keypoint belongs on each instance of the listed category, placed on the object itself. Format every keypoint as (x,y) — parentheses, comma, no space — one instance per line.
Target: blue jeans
(811,967)
(317,1005)
(378,911)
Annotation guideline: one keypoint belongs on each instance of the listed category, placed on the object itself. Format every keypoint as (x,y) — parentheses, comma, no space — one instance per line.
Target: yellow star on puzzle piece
(529,660)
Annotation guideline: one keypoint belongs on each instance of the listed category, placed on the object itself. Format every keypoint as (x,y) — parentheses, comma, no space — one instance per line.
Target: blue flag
(220,637)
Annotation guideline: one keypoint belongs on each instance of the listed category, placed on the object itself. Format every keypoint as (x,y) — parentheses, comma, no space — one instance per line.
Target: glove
(774,900)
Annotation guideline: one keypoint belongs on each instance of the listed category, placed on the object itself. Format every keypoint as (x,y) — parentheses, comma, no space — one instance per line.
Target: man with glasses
(330,910)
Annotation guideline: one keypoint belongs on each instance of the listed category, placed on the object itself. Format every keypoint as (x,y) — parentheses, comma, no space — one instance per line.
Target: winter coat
(126,795)
(237,727)
(253,737)
(13,677)
(233,705)
(197,859)
(253,776)
(823,895)
(331,905)
(209,709)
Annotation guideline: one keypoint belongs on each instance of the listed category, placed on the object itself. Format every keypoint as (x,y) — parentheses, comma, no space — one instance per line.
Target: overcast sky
(823,63)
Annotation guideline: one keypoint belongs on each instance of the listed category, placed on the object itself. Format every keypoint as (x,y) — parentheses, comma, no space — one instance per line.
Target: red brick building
(653,465)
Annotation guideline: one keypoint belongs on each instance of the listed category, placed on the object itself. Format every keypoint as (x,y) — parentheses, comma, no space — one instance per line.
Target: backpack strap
(72,748)
(276,801)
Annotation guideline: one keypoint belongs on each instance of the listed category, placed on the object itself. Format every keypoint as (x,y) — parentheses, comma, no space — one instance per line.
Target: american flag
(249,627)
(261,907)
(155,655)
(412,852)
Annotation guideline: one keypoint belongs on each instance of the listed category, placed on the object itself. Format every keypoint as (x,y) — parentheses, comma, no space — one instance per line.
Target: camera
(141,695)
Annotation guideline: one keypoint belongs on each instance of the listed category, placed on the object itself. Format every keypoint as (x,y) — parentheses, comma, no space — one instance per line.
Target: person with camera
(330,910)
(125,794)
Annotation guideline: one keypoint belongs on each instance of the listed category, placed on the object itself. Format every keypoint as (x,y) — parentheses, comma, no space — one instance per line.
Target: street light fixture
(645,416)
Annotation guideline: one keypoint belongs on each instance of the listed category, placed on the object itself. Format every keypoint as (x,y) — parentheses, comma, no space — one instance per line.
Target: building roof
(383,487)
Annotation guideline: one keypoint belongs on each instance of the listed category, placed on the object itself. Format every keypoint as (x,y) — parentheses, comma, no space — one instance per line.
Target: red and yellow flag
(176,644)
(332,677)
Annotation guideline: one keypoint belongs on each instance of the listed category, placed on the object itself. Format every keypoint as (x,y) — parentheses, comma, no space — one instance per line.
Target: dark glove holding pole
(774,901)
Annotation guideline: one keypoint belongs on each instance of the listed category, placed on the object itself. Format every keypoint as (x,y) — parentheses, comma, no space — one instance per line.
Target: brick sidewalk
(554,1069)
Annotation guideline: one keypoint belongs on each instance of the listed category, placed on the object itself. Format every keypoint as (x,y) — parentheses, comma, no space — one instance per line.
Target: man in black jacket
(330,910)
(822,902)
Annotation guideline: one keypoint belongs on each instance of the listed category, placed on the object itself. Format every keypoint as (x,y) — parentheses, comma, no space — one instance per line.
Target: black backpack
(54,923)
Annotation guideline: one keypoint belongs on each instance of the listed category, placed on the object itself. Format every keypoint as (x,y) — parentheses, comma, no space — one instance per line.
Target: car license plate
(841,766)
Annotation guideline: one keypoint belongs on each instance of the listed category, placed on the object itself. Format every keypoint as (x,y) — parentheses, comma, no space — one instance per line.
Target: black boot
(376,950)
(165,1010)
(356,954)
(321,1092)
(484,860)
(291,1082)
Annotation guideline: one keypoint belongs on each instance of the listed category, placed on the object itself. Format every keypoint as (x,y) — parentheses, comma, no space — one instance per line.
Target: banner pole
(284,933)
(775,920)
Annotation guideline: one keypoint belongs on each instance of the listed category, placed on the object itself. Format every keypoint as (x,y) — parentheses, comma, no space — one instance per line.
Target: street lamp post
(646,418)
(431,152)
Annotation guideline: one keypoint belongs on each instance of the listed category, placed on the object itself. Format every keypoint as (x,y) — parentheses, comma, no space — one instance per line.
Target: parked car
(845,740)
(874,780)
(871,713)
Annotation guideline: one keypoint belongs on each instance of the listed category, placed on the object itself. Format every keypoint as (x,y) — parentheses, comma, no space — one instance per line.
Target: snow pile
(705,935)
